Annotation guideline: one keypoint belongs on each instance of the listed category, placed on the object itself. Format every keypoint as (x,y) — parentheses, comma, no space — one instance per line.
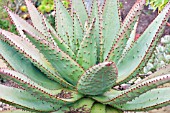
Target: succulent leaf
(87,53)
(24,45)
(33,87)
(85,102)
(78,32)
(22,26)
(32,53)
(109,29)
(38,20)
(98,108)
(24,100)
(61,44)
(130,41)
(139,54)
(64,23)
(162,71)
(24,66)
(112,110)
(68,69)
(15,111)
(93,81)
(80,65)
(154,99)
(108,95)
(96,13)
(114,97)
(138,89)
(78,6)
(86,27)
(83,105)
(124,33)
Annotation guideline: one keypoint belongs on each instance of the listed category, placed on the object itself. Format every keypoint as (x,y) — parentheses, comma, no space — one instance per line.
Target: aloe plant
(76,66)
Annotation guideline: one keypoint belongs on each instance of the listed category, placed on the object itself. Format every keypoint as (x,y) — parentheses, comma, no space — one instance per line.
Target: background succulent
(161,56)
(157,4)
(77,66)
(48,5)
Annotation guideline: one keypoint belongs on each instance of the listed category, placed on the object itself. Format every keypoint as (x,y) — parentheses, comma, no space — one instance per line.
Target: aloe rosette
(75,66)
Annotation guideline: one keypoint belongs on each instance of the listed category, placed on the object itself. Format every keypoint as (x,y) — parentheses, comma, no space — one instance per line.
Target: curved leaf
(23,99)
(22,26)
(46,94)
(15,111)
(79,7)
(98,108)
(162,71)
(124,33)
(112,110)
(87,52)
(32,53)
(141,51)
(82,105)
(64,23)
(114,97)
(24,66)
(153,99)
(96,13)
(78,32)
(138,89)
(38,20)
(93,81)
(110,27)
(67,67)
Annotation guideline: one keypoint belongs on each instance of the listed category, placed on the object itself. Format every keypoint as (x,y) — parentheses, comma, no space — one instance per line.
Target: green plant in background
(51,20)
(120,5)
(157,4)
(161,56)
(3,3)
(66,3)
(77,66)
(5,24)
(48,5)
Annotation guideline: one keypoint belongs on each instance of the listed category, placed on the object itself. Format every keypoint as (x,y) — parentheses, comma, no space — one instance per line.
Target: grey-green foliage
(161,56)
(76,66)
